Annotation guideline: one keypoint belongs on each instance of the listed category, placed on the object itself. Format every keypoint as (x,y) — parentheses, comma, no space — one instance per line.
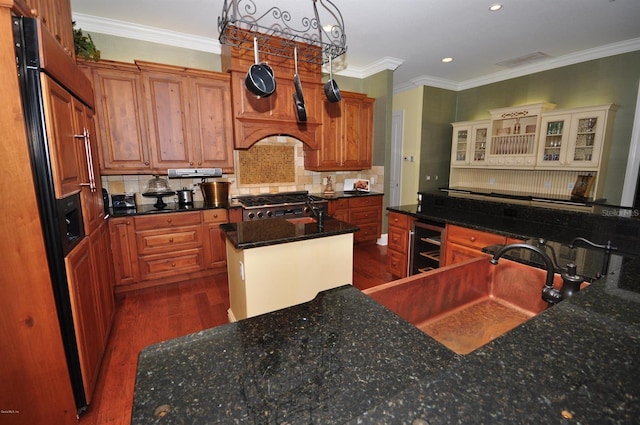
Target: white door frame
(633,160)
(395,177)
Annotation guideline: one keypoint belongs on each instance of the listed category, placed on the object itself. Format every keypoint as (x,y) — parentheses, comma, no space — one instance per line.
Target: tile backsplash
(311,181)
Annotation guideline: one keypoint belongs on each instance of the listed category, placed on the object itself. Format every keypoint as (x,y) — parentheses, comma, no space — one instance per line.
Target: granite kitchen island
(277,263)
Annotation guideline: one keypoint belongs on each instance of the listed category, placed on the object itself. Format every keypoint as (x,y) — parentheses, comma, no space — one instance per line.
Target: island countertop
(253,234)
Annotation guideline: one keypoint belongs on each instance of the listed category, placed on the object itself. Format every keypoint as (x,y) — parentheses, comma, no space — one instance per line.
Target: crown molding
(90,23)
(117,28)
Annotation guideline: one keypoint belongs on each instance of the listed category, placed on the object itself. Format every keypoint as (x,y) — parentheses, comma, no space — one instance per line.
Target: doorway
(395,183)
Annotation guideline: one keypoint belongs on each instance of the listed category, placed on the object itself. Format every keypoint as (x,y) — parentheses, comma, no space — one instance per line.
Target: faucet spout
(549,293)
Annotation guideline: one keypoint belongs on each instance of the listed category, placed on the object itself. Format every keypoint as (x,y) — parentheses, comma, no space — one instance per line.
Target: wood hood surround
(256,118)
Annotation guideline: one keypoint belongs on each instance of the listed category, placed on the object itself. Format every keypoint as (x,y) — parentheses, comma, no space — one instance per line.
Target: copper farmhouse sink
(467,305)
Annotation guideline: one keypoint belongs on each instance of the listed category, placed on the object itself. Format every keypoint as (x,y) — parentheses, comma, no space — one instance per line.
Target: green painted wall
(438,111)
(608,80)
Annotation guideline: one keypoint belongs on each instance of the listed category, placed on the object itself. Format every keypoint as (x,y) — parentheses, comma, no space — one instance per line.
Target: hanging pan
(298,99)
(331,89)
(260,80)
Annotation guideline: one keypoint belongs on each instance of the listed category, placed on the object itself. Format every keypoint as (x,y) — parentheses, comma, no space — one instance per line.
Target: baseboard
(384,238)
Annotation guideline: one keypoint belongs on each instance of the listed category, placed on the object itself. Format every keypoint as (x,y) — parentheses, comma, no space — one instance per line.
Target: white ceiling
(408,36)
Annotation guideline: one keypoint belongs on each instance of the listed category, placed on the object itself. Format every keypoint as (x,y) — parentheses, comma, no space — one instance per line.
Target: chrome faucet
(549,293)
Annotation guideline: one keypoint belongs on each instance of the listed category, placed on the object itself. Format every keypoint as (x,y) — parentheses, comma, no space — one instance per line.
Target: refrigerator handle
(85,136)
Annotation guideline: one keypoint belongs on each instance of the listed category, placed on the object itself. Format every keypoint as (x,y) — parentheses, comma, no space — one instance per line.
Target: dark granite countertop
(344,359)
(253,234)
(347,194)
(171,207)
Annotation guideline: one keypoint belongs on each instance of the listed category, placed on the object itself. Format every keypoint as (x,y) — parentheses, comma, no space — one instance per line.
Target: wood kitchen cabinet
(120,110)
(151,250)
(153,117)
(214,246)
(65,147)
(363,211)
(85,306)
(123,251)
(56,16)
(100,246)
(400,227)
(463,243)
(347,135)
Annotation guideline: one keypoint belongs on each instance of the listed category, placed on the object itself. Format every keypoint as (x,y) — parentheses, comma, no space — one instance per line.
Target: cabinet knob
(171,240)
(146,163)
(472,238)
(169,220)
(173,264)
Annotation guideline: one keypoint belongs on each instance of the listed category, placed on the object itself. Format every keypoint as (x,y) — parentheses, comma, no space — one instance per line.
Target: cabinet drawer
(161,240)
(218,215)
(398,239)
(340,204)
(400,220)
(368,232)
(396,263)
(364,215)
(163,221)
(365,201)
(472,238)
(172,263)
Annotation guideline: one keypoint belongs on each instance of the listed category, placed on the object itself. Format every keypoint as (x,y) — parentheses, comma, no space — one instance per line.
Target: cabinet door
(211,123)
(460,145)
(586,139)
(356,133)
(553,140)
(91,192)
(100,247)
(121,117)
(479,143)
(169,132)
(86,313)
(63,145)
(123,250)
(215,248)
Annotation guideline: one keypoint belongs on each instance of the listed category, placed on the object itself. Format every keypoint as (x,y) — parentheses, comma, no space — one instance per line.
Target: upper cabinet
(514,135)
(154,117)
(347,135)
(469,144)
(55,15)
(575,137)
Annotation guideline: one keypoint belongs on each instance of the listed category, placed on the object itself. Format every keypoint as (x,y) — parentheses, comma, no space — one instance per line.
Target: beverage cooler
(425,245)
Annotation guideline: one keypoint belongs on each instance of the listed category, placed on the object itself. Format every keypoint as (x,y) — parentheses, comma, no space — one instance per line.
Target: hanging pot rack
(278,34)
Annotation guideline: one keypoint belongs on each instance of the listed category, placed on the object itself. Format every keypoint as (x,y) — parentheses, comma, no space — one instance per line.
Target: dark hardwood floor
(149,316)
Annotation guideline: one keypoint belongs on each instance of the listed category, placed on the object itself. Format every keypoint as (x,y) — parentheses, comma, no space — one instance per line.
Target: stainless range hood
(177,173)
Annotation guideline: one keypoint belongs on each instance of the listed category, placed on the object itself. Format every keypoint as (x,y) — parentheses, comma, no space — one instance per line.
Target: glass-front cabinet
(574,138)
(469,144)
(513,140)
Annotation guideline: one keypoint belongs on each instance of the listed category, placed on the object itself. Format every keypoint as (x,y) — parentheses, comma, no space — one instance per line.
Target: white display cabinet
(575,138)
(513,141)
(469,143)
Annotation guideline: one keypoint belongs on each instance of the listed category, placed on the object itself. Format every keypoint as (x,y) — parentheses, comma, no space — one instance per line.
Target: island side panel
(282,275)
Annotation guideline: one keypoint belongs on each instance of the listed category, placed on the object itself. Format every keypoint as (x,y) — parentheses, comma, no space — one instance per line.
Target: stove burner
(278,205)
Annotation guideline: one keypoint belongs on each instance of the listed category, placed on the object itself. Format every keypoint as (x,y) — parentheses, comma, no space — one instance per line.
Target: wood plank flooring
(152,315)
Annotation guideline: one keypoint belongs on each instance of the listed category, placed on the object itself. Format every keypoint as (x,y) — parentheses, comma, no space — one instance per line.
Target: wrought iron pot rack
(240,22)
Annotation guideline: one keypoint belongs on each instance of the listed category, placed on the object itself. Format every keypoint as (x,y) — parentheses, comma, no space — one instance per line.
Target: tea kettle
(185,196)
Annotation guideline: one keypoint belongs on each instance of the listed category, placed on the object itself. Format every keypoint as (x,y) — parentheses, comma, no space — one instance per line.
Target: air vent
(524,60)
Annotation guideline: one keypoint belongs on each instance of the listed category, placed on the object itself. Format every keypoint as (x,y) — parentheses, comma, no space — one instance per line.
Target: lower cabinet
(463,243)
(364,211)
(92,303)
(150,250)
(400,226)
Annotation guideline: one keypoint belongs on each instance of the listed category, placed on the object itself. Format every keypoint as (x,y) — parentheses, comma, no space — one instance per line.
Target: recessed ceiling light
(495,7)
(447,60)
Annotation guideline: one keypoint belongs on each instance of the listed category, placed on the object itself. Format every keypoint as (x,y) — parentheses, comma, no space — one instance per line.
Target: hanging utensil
(260,79)
(298,98)
(331,89)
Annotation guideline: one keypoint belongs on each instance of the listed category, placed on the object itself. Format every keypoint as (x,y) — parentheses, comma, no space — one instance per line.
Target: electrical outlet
(547,184)
(570,186)
(428,178)
(492,181)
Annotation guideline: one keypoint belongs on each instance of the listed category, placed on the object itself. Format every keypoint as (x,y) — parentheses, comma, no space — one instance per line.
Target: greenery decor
(84,45)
